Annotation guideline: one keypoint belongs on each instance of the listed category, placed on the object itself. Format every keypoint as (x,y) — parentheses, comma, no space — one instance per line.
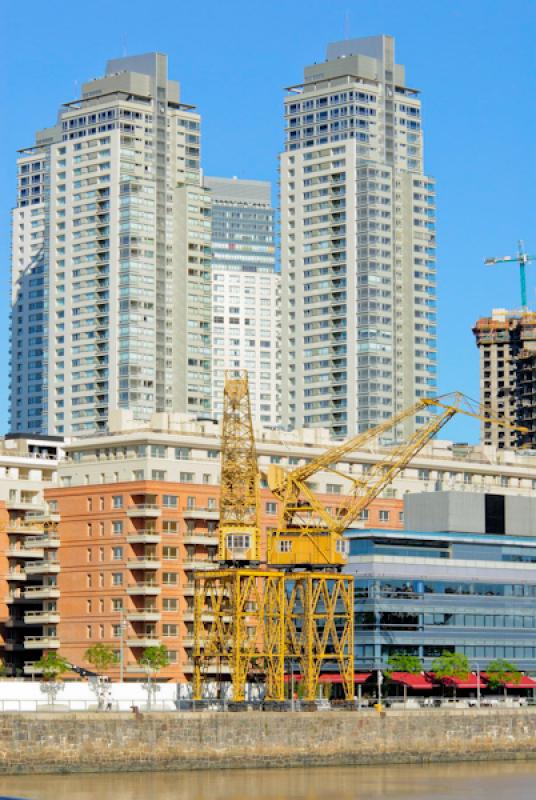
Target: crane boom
(307,532)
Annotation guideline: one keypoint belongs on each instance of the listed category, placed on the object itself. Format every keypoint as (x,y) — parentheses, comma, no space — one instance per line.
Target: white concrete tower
(357,243)
(246,293)
(111,237)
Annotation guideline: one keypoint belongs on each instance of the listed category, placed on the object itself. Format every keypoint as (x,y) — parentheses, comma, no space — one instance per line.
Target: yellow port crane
(308,536)
(239,493)
(239,608)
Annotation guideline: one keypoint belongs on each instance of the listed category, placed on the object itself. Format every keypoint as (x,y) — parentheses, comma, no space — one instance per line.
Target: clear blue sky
(474,60)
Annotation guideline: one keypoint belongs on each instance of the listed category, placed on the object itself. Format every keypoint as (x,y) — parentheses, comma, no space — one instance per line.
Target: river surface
(465,781)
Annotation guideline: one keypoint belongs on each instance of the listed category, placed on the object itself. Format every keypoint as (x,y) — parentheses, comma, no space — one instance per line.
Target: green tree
(500,672)
(403,662)
(101,656)
(52,666)
(153,659)
(451,665)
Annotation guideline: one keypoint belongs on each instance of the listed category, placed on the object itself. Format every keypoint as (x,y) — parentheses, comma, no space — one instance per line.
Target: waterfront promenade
(129,742)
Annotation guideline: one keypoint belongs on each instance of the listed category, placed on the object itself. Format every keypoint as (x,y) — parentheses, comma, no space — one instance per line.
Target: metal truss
(239,624)
(319,627)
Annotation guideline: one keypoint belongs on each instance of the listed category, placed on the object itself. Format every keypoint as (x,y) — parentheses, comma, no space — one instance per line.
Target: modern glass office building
(423,592)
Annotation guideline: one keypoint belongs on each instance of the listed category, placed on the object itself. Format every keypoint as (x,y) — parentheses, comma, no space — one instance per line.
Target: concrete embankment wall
(91,742)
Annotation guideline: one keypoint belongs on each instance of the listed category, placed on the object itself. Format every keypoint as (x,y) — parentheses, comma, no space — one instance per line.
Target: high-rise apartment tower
(507,345)
(357,243)
(246,293)
(111,235)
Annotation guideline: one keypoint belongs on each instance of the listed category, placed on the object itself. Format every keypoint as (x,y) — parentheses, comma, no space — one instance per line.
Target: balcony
(143,562)
(41,617)
(41,643)
(21,526)
(46,541)
(202,513)
(191,563)
(31,669)
(144,589)
(41,593)
(144,537)
(43,568)
(143,641)
(201,538)
(150,510)
(31,550)
(144,615)
(16,575)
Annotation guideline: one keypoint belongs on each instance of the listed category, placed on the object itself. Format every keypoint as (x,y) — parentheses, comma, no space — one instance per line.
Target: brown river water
(465,781)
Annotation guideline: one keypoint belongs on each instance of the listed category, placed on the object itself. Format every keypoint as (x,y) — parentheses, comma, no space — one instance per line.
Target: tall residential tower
(357,243)
(111,235)
(246,293)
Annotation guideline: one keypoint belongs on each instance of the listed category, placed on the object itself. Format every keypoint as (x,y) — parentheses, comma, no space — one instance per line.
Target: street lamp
(122,628)
(477,685)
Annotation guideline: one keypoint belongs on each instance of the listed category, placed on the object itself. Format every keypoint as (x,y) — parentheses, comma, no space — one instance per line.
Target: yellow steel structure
(239,497)
(310,536)
(319,624)
(239,626)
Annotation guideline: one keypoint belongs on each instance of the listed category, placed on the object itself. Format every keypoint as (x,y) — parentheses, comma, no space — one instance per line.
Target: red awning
(288,678)
(334,677)
(414,681)
(470,682)
(524,683)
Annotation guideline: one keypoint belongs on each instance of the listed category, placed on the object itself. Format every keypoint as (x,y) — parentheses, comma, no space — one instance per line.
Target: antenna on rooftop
(347,25)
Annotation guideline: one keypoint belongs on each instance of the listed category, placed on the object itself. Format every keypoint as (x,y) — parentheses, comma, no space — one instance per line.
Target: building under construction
(507,345)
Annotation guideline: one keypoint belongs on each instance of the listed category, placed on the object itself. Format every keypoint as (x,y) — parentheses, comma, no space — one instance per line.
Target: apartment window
(117,526)
(117,501)
(89,554)
(90,504)
(117,604)
(333,488)
(170,604)
(172,656)
(101,553)
(187,477)
(169,630)
(401,516)
(364,515)
(423,474)
(116,631)
(89,632)
(207,477)
(504,480)
(88,606)
(213,453)
(158,451)
(183,453)
(138,475)
(211,503)
(190,502)
(117,578)
(170,578)
(170,500)
(169,526)
(384,516)
(101,631)
(88,581)
(158,475)
(101,528)
(169,553)
(117,553)
(101,579)
(270,508)
(101,503)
